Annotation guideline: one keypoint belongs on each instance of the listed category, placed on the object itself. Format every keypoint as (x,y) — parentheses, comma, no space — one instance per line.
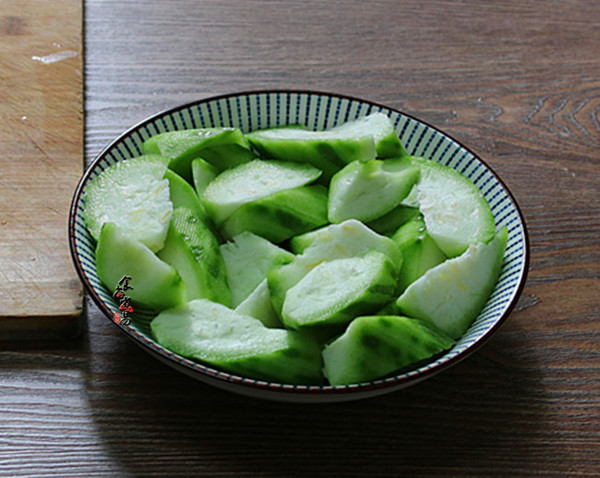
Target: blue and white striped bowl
(317,110)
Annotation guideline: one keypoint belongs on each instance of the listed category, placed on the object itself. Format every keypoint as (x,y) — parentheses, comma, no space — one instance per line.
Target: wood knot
(12,25)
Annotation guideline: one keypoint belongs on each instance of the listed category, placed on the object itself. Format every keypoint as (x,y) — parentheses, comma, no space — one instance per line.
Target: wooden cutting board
(41,160)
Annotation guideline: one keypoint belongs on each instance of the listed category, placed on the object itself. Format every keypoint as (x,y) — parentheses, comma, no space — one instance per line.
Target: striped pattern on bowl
(318,111)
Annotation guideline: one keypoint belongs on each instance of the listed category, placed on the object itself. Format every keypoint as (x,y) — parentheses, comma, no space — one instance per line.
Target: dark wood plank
(519,82)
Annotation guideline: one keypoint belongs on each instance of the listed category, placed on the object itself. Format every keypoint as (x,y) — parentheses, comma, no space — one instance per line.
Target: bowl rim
(276,390)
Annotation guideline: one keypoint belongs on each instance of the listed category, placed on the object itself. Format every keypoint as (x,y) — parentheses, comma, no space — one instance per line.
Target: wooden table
(517,81)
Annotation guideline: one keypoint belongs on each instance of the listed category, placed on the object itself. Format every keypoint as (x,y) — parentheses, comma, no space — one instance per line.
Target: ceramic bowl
(317,110)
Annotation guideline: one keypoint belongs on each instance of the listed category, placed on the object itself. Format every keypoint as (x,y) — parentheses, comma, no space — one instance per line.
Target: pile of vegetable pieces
(297,256)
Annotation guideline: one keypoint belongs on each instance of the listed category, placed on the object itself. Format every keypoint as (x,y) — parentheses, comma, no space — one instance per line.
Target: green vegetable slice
(193,250)
(248,259)
(419,250)
(375,346)
(202,174)
(251,181)
(381,128)
(222,147)
(350,238)
(338,241)
(452,294)
(155,283)
(389,223)
(329,151)
(336,291)
(217,335)
(258,305)
(134,195)
(184,195)
(281,215)
(368,190)
(456,213)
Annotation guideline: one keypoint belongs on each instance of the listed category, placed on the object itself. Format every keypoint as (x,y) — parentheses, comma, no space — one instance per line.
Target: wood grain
(41,139)
(518,82)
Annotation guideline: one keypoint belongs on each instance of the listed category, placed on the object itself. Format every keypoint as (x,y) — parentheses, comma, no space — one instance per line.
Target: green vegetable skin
(281,215)
(202,174)
(239,343)
(419,250)
(253,181)
(332,303)
(183,195)
(359,140)
(194,251)
(328,151)
(368,190)
(222,147)
(389,223)
(387,143)
(155,283)
(376,346)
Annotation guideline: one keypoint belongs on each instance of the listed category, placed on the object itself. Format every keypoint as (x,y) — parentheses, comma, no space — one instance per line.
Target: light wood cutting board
(41,160)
